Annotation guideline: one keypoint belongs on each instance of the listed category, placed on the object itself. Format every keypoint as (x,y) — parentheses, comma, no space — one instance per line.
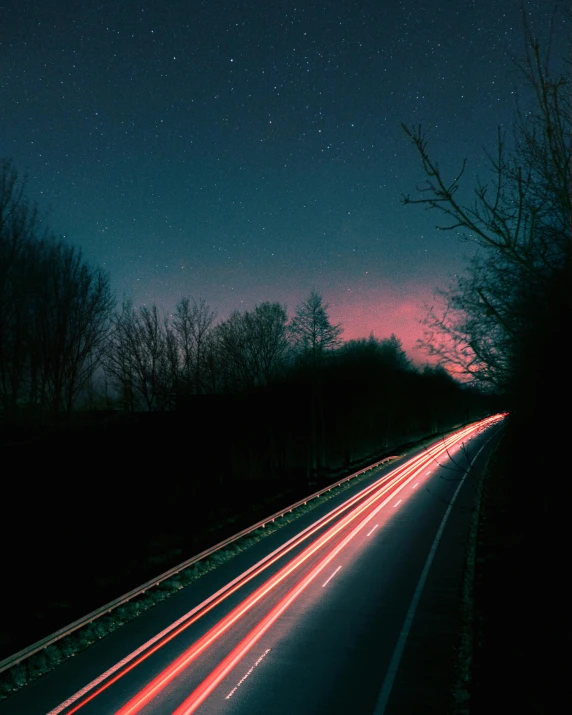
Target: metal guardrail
(140,590)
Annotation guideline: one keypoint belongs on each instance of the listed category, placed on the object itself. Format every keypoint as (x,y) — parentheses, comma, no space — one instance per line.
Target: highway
(350,609)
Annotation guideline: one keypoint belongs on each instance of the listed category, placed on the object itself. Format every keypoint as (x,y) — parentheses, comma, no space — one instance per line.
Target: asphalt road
(351,609)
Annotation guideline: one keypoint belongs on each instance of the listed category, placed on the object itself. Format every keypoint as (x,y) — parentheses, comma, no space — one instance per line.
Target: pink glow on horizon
(383,311)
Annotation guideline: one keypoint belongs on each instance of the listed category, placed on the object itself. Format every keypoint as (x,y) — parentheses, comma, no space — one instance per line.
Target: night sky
(252,150)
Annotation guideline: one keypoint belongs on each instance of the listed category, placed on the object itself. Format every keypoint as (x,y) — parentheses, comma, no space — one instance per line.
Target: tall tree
(253,345)
(18,233)
(313,335)
(72,304)
(267,330)
(193,324)
(142,358)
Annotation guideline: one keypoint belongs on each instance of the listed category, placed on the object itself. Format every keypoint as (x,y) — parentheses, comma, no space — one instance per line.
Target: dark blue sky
(246,151)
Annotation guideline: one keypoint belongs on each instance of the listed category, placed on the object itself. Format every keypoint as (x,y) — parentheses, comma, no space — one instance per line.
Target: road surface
(353,608)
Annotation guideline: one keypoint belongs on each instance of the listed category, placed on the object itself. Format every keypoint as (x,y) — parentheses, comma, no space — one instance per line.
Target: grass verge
(461,695)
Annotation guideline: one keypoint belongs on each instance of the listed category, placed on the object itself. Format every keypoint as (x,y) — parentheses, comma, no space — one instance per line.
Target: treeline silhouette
(132,439)
(54,310)
(106,505)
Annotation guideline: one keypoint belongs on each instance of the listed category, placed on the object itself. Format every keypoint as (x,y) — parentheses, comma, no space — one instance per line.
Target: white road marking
(387,686)
(369,533)
(416,483)
(117,666)
(248,672)
(148,644)
(399,502)
(331,577)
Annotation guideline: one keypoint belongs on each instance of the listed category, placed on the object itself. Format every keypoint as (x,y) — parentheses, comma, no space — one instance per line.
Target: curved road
(353,608)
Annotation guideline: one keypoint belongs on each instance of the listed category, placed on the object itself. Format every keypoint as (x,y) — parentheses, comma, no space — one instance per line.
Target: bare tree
(267,333)
(18,230)
(71,318)
(193,324)
(142,358)
(54,309)
(253,345)
(520,282)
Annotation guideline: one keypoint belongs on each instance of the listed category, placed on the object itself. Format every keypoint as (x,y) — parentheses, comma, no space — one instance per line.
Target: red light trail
(399,481)
(372,498)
